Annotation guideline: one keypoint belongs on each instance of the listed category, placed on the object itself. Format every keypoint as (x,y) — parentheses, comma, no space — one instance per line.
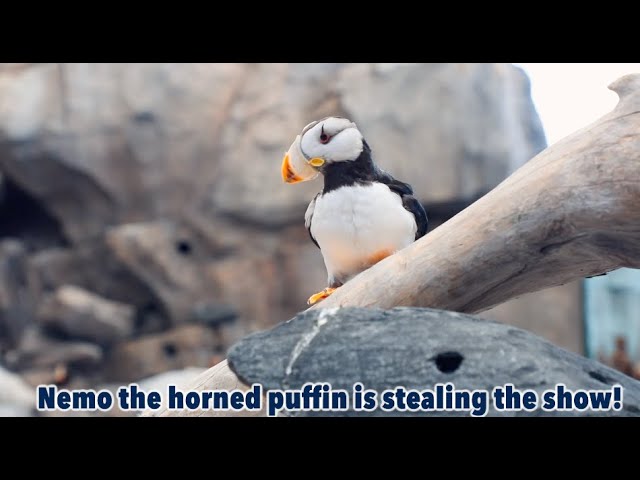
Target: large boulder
(417,349)
(78,314)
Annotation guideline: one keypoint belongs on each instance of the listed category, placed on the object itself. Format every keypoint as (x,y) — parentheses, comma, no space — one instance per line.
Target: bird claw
(316,297)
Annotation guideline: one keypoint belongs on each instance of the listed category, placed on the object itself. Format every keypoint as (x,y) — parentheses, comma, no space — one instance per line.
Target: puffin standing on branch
(362,215)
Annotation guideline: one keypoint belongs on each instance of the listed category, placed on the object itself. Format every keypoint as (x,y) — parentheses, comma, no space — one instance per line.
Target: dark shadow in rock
(183,247)
(448,362)
(23,217)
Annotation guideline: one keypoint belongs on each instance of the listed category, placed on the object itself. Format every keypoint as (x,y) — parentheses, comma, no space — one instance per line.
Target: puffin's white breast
(357,223)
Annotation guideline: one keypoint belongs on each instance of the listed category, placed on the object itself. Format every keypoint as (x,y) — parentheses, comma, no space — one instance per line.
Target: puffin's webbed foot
(316,297)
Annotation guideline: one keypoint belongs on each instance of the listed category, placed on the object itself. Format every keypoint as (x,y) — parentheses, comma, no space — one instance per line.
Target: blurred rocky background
(144,226)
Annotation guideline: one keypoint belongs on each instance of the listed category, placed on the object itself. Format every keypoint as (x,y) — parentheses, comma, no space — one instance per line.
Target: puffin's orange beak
(288,175)
(295,167)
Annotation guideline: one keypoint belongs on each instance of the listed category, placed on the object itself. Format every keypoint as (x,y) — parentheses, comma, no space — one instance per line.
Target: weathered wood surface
(570,212)
(218,377)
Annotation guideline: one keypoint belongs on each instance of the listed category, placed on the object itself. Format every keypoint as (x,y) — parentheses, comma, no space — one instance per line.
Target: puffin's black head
(321,144)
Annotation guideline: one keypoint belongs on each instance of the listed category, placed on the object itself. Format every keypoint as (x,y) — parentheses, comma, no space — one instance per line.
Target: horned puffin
(363,214)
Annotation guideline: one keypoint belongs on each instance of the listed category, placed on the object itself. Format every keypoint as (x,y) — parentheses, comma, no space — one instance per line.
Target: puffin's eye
(324,138)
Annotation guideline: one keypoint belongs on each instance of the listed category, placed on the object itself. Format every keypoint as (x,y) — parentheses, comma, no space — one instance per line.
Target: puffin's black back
(362,171)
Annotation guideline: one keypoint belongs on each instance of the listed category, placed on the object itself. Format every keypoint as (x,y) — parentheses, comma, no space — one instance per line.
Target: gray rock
(24,218)
(171,259)
(256,283)
(92,266)
(192,269)
(35,350)
(120,140)
(79,314)
(17,398)
(212,314)
(177,348)
(16,299)
(418,348)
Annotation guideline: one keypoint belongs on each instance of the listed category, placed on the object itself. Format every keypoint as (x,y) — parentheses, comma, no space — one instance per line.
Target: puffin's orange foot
(316,297)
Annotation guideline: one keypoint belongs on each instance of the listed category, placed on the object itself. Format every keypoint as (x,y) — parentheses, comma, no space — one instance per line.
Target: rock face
(77,313)
(36,350)
(161,254)
(175,349)
(418,348)
(109,143)
(156,190)
(132,142)
(447,127)
(17,399)
(52,268)
(16,302)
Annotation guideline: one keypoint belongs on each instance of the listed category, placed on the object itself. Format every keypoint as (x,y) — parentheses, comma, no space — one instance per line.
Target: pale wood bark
(570,212)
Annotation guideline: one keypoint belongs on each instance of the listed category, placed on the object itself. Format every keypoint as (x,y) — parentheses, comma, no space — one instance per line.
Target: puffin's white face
(332,139)
(326,141)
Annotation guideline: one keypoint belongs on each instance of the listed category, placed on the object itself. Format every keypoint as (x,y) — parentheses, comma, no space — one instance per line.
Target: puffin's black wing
(409,202)
(412,204)
(308,215)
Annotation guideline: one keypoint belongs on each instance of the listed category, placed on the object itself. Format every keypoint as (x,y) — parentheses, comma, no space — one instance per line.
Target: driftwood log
(571,212)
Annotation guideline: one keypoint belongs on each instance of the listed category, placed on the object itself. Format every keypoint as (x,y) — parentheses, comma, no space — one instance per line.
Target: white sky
(569,96)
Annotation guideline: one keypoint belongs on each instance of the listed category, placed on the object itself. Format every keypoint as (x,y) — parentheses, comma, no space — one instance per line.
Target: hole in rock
(183,247)
(24,217)
(598,376)
(448,362)
(169,350)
